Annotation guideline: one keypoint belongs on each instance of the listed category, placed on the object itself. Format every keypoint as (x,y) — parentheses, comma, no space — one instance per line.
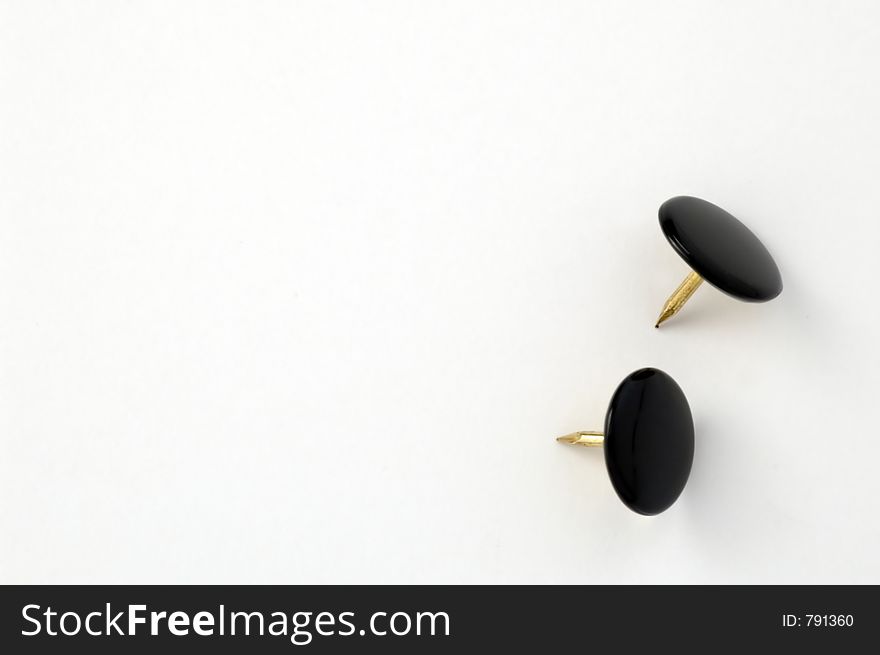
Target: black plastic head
(723,251)
(649,441)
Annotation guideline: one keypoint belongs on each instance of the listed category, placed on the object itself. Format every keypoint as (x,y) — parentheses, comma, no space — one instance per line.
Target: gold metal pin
(679,297)
(583,438)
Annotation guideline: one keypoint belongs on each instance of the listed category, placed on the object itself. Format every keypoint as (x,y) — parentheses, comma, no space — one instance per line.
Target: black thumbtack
(720,250)
(648,441)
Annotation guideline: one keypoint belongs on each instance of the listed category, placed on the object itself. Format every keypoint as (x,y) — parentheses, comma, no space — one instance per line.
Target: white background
(303,292)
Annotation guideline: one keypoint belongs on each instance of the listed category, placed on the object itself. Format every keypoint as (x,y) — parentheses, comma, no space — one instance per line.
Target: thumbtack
(720,250)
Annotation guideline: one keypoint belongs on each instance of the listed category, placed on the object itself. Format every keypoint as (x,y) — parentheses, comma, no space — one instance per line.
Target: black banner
(275,619)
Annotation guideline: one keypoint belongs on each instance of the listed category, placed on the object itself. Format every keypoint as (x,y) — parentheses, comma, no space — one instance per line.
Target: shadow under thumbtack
(714,492)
